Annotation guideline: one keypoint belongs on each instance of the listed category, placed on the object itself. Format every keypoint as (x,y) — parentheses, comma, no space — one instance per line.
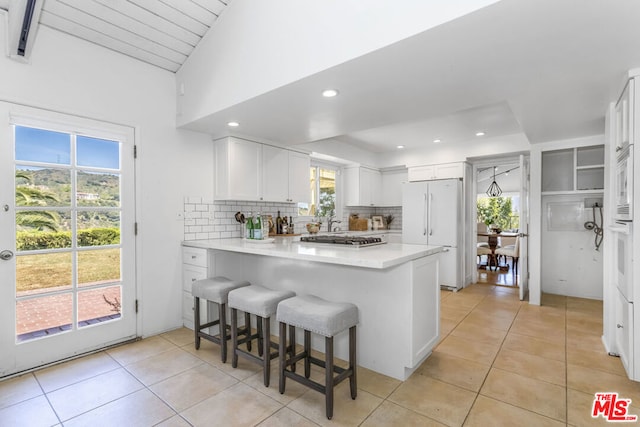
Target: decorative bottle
(278,224)
(249,220)
(257,227)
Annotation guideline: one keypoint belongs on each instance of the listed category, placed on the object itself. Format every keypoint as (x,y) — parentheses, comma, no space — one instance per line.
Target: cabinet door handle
(618,148)
(619,326)
(193,257)
(193,279)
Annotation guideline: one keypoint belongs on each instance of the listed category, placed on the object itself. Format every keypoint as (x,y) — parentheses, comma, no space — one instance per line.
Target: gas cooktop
(357,241)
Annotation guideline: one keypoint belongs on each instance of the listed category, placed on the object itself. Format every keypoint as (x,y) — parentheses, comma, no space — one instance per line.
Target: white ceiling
(542,68)
(550,68)
(159,32)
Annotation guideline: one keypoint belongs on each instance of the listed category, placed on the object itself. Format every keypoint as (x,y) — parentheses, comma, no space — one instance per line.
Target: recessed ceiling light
(437,140)
(330,93)
(479,133)
(233,124)
(399,147)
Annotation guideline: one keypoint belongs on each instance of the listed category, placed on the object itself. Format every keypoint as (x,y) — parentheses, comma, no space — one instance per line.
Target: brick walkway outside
(54,313)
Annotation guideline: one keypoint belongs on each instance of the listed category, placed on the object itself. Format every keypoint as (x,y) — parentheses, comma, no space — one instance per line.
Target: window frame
(338,169)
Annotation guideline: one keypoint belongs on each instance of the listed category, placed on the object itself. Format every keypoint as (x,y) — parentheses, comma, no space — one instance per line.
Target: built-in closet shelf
(590,167)
(556,193)
(573,170)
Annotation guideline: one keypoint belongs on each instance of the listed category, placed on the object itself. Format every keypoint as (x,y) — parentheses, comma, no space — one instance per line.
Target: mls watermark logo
(612,408)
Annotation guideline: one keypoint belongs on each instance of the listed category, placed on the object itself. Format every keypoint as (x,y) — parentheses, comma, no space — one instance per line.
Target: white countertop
(378,256)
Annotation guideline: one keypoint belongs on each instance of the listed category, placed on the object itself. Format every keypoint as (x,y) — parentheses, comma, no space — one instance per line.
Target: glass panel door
(70,228)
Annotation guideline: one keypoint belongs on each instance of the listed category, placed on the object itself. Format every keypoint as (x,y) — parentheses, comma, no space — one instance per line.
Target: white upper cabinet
(362,186)
(624,116)
(285,175)
(440,171)
(275,174)
(299,177)
(246,170)
(238,169)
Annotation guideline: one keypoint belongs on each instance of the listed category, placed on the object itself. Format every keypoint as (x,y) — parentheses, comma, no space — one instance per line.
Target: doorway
(499,202)
(66,236)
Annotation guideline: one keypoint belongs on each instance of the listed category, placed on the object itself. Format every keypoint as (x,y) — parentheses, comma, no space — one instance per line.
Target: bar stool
(262,303)
(216,290)
(325,318)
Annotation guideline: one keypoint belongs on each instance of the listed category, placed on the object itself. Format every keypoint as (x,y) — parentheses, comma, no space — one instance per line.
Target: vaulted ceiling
(541,68)
(159,32)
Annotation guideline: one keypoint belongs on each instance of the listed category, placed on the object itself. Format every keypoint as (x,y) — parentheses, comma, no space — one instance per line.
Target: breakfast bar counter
(394,286)
(380,256)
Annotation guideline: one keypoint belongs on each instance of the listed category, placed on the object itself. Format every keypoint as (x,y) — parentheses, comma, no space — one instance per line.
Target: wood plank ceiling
(160,32)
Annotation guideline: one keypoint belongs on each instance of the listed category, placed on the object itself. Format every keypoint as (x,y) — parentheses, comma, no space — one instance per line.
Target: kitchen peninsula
(395,287)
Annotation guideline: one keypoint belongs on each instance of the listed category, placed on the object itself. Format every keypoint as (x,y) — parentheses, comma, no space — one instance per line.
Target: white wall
(68,75)
(256,47)
(570,263)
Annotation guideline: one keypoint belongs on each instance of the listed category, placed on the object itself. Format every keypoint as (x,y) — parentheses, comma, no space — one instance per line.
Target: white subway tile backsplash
(205,219)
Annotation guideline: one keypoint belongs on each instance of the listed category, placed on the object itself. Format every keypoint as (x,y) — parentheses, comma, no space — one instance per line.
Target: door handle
(6,255)
(424,216)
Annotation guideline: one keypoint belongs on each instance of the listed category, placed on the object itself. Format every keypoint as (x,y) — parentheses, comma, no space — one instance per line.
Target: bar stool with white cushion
(313,314)
(262,303)
(216,290)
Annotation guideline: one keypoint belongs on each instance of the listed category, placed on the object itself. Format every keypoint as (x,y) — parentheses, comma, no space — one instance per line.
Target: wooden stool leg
(292,343)
(307,350)
(283,356)
(266,351)
(328,388)
(222,313)
(247,325)
(352,362)
(234,337)
(196,320)
(260,334)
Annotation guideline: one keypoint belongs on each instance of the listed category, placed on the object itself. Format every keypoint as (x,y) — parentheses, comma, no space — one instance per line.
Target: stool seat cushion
(216,289)
(317,315)
(257,299)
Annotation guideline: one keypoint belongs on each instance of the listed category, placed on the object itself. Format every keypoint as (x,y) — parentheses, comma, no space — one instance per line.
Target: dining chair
(484,250)
(483,241)
(511,251)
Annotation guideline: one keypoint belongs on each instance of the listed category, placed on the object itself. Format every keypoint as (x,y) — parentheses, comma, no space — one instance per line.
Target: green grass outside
(42,271)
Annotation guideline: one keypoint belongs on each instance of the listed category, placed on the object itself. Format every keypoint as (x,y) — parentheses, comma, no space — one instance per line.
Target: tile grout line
(492,362)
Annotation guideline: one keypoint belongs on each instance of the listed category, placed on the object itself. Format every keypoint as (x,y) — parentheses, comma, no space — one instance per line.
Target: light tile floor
(500,362)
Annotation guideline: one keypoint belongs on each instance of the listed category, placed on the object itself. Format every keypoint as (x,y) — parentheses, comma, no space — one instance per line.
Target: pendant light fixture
(494,189)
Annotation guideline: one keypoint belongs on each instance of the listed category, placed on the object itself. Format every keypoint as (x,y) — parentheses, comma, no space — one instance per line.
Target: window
(68,223)
(322,186)
(501,211)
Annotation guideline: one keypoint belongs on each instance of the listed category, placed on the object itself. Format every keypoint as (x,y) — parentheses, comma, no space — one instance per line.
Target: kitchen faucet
(330,222)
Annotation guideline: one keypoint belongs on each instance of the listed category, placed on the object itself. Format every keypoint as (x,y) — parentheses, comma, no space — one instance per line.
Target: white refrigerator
(432,215)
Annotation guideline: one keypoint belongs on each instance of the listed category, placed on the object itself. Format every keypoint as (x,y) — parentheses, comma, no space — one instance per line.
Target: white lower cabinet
(624,333)
(197,264)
